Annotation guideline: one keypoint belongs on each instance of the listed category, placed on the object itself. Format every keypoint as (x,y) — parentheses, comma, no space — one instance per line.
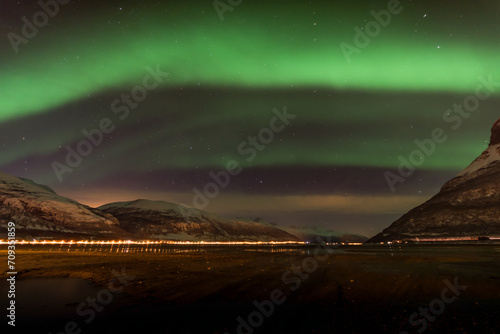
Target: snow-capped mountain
(168,221)
(39,212)
(466,206)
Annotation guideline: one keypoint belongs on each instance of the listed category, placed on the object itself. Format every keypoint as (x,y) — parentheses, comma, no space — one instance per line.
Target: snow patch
(491,154)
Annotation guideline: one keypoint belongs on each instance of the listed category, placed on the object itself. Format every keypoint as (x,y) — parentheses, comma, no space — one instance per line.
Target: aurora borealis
(225,77)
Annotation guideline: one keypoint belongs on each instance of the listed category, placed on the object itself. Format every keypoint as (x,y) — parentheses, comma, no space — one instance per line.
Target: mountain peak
(490,156)
(495,133)
(143,204)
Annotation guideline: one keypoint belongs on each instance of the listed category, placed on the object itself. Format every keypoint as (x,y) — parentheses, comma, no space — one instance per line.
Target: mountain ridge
(39,212)
(168,220)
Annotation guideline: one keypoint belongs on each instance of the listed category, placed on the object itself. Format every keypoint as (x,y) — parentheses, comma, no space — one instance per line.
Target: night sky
(181,89)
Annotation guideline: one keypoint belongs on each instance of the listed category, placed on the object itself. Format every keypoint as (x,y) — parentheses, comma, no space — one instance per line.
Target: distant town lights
(148,242)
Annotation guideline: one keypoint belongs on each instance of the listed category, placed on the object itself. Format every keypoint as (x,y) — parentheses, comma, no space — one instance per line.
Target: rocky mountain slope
(39,212)
(163,220)
(467,206)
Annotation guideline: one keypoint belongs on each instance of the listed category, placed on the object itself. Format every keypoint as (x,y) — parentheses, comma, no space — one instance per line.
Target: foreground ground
(453,289)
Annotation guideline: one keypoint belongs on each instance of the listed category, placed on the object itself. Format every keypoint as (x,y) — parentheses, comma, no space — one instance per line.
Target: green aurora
(55,68)
(354,119)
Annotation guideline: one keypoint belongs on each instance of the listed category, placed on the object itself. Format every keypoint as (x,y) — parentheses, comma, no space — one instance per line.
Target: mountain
(168,221)
(467,206)
(39,212)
